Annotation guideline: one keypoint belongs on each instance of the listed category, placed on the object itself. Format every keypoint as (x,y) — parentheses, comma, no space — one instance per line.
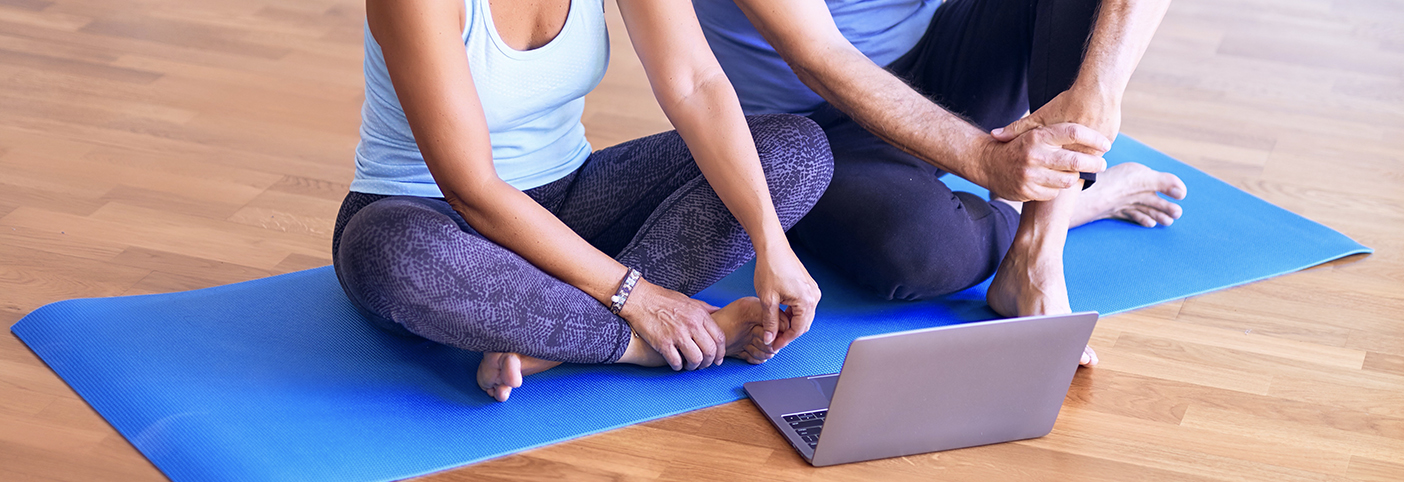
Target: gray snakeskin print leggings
(413,264)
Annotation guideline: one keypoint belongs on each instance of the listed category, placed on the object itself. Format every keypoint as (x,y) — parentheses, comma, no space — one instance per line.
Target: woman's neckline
(485,10)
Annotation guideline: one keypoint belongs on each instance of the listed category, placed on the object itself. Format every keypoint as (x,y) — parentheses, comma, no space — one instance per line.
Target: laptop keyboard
(808,425)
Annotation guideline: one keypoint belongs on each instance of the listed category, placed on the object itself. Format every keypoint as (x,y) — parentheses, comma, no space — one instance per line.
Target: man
(908,90)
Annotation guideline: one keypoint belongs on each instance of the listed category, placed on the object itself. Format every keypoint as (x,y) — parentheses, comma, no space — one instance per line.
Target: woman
(480,219)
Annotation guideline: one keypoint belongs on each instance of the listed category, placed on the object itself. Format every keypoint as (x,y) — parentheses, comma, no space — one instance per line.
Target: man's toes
(1139,217)
(1172,186)
(1161,217)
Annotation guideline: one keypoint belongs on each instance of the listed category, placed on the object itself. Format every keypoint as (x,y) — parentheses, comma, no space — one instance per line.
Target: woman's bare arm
(698,99)
(423,49)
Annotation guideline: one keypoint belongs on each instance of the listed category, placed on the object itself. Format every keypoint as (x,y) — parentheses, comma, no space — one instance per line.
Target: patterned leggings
(411,263)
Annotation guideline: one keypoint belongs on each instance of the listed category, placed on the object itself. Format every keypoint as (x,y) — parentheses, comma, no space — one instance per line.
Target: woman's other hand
(782,280)
(677,327)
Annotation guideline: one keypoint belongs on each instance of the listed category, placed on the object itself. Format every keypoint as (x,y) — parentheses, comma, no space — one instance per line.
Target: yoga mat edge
(280,379)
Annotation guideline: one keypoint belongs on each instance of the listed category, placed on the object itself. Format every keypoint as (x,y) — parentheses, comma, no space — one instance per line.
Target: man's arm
(804,34)
(1120,37)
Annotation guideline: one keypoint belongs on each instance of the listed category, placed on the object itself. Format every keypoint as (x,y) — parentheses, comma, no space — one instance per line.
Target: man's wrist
(1099,89)
(979,160)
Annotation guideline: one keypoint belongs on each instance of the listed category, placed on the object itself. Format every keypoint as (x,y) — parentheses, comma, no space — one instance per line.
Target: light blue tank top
(532,99)
(882,29)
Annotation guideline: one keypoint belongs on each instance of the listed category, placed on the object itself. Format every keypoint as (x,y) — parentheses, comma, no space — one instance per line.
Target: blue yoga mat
(281,379)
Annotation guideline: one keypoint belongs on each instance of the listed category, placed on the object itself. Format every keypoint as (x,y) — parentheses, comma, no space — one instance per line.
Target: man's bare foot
(1022,288)
(1029,281)
(499,373)
(1128,191)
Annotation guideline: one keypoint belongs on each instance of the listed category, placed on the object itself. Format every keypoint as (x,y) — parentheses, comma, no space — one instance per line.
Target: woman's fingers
(692,355)
(718,337)
(708,347)
(670,355)
(770,305)
(799,315)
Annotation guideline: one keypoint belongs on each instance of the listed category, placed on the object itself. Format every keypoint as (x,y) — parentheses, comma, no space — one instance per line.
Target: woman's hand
(782,279)
(677,327)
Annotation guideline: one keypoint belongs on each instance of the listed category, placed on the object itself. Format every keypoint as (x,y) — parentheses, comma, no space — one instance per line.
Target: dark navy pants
(887,221)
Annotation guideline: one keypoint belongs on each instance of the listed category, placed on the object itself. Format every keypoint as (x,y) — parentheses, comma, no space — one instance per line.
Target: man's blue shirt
(881,29)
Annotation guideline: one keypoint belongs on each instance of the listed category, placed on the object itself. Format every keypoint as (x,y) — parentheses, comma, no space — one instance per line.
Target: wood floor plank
(1306,433)
(149,146)
(1364,468)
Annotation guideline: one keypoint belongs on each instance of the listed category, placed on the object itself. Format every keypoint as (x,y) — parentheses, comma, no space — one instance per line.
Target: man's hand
(677,327)
(1078,105)
(1040,162)
(782,279)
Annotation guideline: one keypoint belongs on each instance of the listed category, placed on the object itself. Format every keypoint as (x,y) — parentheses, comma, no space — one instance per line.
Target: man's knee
(929,268)
(902,236)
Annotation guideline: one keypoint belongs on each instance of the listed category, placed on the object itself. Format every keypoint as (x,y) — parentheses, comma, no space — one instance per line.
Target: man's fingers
(1015,129)
(1070,134)
(1073,161)
(1056,181)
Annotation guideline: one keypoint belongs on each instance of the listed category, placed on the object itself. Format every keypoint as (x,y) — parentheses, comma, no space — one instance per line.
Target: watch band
(626,286)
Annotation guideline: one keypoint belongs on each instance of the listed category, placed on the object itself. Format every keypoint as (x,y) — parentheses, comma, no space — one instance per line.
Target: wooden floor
(157,145)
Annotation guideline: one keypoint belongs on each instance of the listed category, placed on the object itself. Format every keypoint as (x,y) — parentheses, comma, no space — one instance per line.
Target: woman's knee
(795,155)
(383,246)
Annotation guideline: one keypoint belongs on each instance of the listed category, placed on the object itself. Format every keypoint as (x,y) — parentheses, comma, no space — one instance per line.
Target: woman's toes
(499,373)
(511,370)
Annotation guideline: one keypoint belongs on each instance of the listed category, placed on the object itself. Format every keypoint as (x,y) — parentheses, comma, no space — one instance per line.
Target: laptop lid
(951,387)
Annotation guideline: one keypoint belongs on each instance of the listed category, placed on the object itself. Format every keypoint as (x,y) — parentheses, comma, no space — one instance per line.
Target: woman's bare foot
(740,321)
(499,373)
(1128,191)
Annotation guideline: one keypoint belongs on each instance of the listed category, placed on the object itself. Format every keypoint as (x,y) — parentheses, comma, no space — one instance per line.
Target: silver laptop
(931,389)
